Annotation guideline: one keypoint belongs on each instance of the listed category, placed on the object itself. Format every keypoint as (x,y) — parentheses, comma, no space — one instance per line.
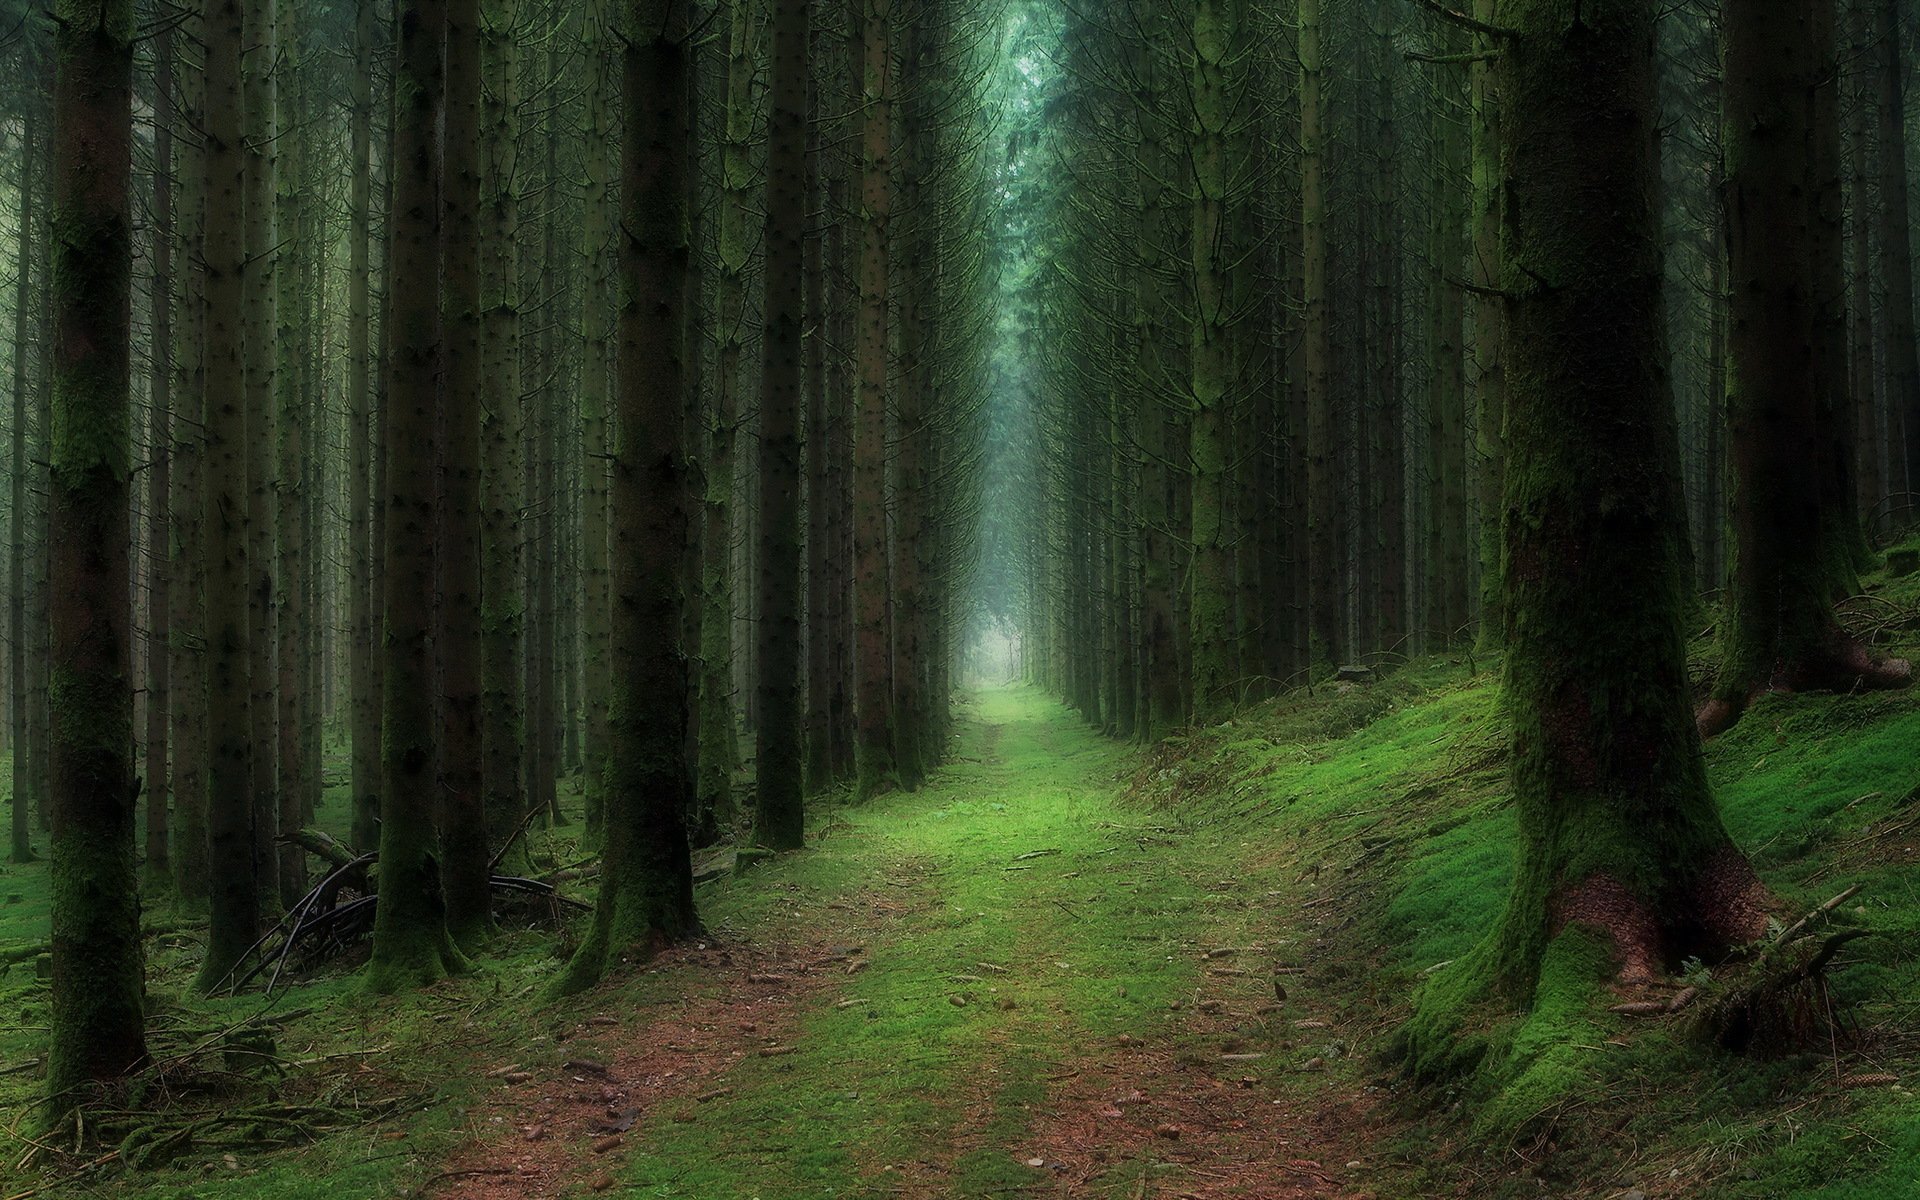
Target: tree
(411,943)
(159,479)
(1623,863)
(21,783)
(98,1028)
(464,856)
(780,820)
(1324,571)
(719,754)
(873,694)
(646,888)
(1780,633)
(361,500)
(233,869)
(1216,40)
(1894,236)
(502,606)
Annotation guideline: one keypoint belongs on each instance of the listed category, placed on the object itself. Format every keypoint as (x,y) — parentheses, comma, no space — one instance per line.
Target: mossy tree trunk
(19,698)
(98,1024)
(411,944)
(233,872)
(779,820)
(1780,632)
(1620,842)
(646,888)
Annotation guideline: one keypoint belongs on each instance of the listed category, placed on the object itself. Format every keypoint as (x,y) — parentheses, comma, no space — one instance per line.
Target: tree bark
(1623,865)
(465,856)
(97,1024)
(646,889)
(411,944)
(233,874)
(873,672)
(1780,632)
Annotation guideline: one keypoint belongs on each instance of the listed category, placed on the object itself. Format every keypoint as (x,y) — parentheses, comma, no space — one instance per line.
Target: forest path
(1011,982)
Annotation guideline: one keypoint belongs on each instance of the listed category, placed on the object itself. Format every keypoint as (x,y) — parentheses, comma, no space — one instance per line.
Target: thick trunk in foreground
(1780,632)
(646,890)
(779,821)
(1623,865)
(97,1031)
(411,945)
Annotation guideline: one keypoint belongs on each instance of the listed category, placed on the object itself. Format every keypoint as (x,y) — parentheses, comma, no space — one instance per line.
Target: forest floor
(1074,967)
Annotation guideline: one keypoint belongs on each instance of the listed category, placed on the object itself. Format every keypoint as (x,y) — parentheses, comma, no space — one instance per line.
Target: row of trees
(443,315)
(1381,326)
(1275,417)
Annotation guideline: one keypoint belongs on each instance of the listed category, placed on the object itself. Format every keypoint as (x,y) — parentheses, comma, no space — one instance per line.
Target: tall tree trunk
(1623,863)
(873,674)
(597,308)
(292,666)
(411,944)
(235,884)
(1870,477)
(1489,326)
(260,326)
(502,607)
(97,1025)
(646,889)
(361,500)
(159,871)
(779,822)
(1895,239)
(1842,536)
(20,699)
(464,861)
(718,737)
(1780,633)
(1216,43)
(1324,569)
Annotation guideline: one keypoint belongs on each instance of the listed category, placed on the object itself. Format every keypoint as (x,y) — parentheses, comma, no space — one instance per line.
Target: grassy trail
(1051,976)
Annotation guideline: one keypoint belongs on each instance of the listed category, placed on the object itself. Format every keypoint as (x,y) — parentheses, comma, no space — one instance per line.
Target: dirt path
(1010,983)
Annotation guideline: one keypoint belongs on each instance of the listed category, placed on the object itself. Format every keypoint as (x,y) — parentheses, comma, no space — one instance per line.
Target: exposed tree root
(1844,664)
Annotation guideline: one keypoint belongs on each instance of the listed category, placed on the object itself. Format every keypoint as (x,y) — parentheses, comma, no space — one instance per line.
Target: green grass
(1361,833)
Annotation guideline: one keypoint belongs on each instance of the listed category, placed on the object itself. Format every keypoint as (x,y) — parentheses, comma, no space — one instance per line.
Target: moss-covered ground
(1164,972)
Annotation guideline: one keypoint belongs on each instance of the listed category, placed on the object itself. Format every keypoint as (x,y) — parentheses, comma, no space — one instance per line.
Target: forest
(1291,599)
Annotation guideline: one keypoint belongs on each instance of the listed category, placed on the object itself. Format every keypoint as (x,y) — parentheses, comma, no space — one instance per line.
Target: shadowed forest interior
(1107,598)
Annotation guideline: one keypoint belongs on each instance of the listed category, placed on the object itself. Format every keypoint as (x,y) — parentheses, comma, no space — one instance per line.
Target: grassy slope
(1359,833)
